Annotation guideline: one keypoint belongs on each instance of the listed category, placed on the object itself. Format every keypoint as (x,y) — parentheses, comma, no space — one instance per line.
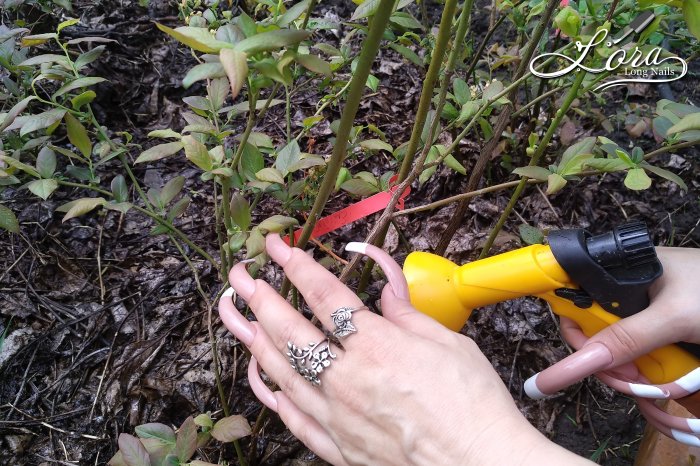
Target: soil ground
(92,354)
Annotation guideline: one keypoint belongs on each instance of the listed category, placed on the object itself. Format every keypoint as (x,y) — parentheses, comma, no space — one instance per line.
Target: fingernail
(391,269)
(259,388)
(588,360)
(648,391)
(278,249)
(234,321)
(241,281)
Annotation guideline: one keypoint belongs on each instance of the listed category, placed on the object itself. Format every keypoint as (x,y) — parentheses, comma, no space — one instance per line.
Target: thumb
(613,346)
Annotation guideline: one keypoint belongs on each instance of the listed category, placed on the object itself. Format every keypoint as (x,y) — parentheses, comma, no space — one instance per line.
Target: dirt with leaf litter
(106,331)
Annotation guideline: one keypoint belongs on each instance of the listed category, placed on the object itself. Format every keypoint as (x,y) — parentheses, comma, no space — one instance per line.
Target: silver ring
(311,360)
(341,319)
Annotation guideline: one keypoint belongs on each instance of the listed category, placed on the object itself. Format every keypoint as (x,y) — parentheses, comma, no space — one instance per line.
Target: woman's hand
(673,315)
(402,390)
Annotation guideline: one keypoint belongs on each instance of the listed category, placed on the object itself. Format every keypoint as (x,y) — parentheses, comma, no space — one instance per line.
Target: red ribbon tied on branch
(356,211)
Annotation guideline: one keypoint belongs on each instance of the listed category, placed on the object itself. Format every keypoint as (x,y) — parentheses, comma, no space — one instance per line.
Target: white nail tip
(694,425)
(228,292)
(356,247)
(690,382)
(648,391)
(531,388)
(683,437)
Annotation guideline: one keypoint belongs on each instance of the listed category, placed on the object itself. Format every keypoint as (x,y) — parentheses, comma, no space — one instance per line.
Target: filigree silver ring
(311,360)
(342,320)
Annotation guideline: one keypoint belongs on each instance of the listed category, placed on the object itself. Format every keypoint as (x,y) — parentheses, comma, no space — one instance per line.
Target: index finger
(322,290)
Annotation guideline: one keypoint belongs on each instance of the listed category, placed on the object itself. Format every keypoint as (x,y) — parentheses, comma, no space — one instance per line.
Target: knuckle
(319,295)
(623,340)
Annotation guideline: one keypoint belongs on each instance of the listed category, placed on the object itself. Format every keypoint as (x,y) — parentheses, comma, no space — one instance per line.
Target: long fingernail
(263,393)
(391,269)
(234,321)
(278,249)
(588,360)
(241,281)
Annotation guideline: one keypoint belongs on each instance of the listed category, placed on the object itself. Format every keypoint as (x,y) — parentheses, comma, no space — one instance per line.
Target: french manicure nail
(263,393)
(391,269)
(241,281)
(278,249)
(588,360)
(234,321)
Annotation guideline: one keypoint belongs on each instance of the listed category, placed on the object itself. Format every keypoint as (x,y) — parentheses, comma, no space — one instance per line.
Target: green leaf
(198,39)
(67,23)
(569,21)
(46,162)
(537,173)
(555,182)
(19,165)
(376,144)
(41,121)
(45,58)
(408,54)
(236,242)
(637,179)
(77,84)
(663,173)
(251,162)
(156,430)
(133,451)
(468,110)
(359,187)
(179,208)
(372,82)
(405,20)
(197,153)
(203,420)
(88,57)
(606,165)
(530,234)
(687,123)
(80,207)
(254,244)
(240,211)
(82,99)
(119,189)
(38,39)
(164,133)
(186,442)
(287,157)
(271,40)
(231,428)
(462,92)
(365,10)
(160,151)
(276,224)
(78,135)
(625,158)
(343,176)
(293,13)
(270,175)
(691,13)
(235,65)
(171,189)
(492,90)
(259,139)
(314,64)
(454,164)
(43,188)
(575,155)
(8,221)
(14,111)
(203,71)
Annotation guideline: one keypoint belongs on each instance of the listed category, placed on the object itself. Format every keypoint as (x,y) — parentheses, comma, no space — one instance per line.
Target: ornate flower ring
(311,360)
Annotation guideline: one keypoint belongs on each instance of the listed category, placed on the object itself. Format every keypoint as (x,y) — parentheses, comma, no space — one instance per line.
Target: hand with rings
(402,390)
